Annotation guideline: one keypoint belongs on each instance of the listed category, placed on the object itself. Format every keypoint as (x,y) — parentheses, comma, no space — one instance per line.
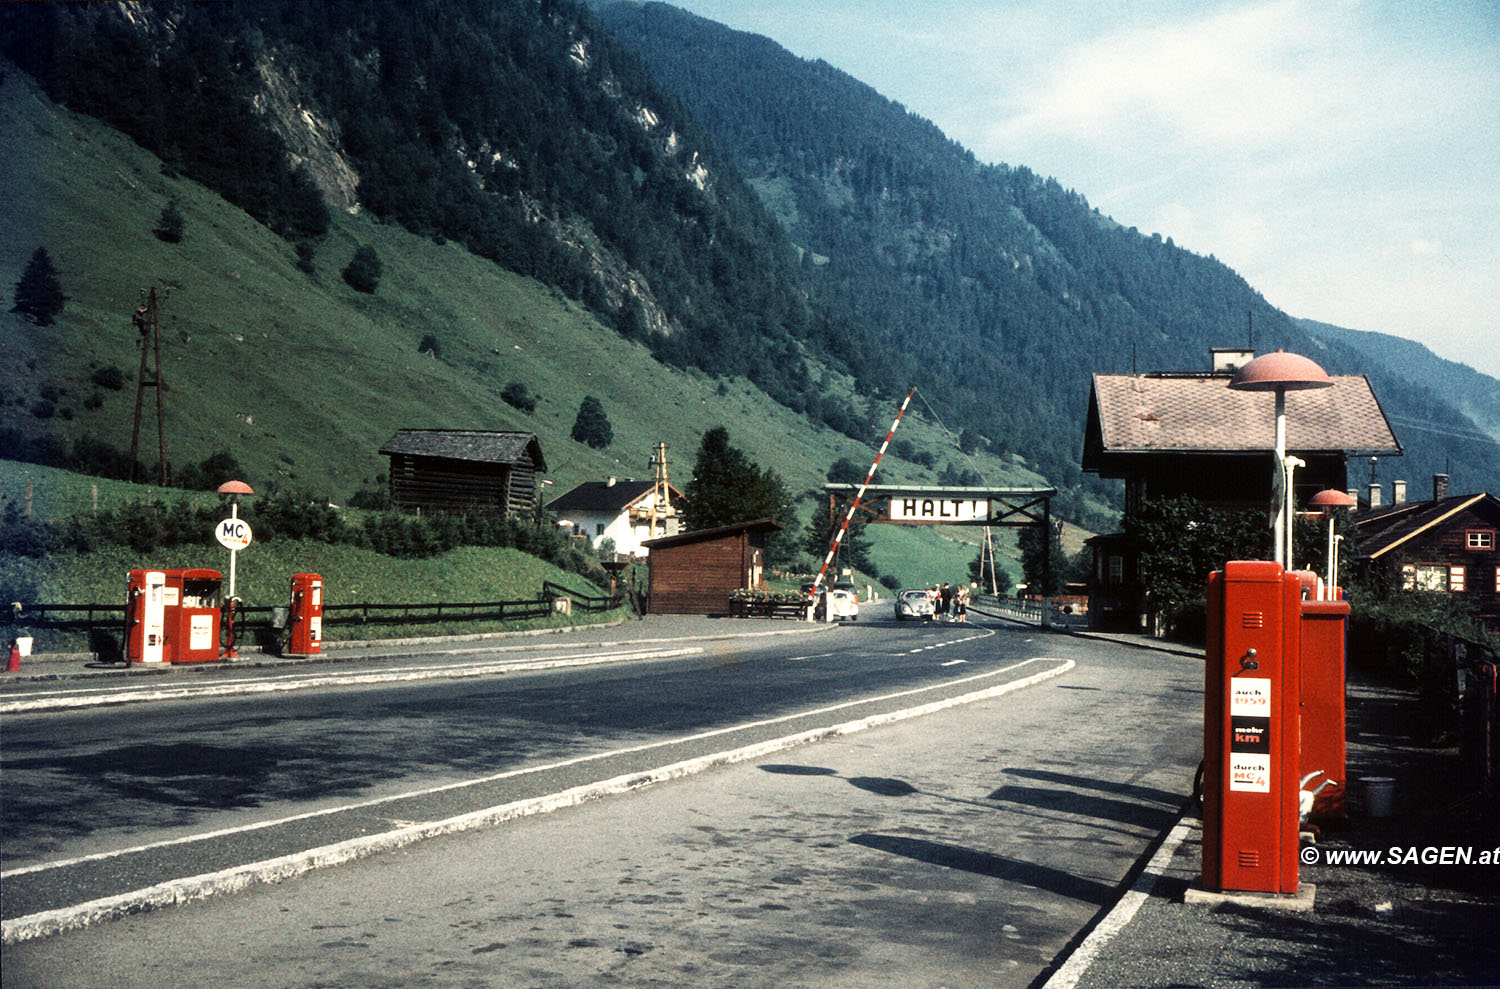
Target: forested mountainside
(518,128)
(1474,394)
(865,253)
(1009,284)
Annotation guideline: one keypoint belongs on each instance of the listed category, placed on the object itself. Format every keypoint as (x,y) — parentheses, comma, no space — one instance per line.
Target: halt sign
(233,533)
(905,509)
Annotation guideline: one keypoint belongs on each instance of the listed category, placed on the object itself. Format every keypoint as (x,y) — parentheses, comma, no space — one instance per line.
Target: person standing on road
(961,603)
(945,605)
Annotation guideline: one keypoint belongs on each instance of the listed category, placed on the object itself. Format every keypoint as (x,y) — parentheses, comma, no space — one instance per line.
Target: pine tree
(170,224)
(592,425)
(728,487)
(39,295)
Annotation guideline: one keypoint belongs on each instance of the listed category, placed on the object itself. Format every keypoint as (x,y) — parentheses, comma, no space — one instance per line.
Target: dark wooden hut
(694,573)
(464,470)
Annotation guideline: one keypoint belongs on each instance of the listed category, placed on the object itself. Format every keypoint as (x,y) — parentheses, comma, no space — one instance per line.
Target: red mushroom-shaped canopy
(1332,498)
(235,487)
(1280,371)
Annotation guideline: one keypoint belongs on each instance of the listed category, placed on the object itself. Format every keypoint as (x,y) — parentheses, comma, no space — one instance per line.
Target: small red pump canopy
(1330,498)
(1280,371)
(235,487)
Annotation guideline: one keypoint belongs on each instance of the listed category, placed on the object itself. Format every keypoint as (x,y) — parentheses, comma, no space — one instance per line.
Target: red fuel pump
(305,617)
(1251,729)
(1322,628)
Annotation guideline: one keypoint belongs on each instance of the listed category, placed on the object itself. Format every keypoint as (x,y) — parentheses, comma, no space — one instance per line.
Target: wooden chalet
(694,573)
(465,470)
(1175,434)
(1447,545)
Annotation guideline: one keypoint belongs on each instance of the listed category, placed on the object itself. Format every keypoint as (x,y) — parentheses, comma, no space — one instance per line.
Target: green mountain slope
(302,378)
(1012,287)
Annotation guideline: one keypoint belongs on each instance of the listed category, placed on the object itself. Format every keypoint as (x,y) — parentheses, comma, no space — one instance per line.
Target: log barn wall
(464,470)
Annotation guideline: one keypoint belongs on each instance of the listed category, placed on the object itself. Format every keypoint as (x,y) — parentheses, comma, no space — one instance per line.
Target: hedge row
(145,527)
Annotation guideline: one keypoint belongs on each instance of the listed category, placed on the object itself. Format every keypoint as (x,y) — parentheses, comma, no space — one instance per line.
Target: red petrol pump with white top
(1252,729)
(305,617)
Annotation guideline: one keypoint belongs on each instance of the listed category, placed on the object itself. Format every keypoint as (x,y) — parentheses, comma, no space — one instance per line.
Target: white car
(914,605)
(844,600)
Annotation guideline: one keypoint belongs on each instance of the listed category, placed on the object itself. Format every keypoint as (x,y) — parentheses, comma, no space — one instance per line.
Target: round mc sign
(233,533)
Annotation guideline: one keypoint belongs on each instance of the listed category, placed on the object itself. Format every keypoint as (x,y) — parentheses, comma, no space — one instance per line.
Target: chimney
(1227,360)
(1374,494)
(1398,492)
(1353,493)
(1439,487)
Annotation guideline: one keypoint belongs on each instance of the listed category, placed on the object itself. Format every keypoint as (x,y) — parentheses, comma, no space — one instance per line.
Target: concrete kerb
(350,650)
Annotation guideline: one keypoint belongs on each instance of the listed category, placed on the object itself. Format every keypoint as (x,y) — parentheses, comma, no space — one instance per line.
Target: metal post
(1280,526)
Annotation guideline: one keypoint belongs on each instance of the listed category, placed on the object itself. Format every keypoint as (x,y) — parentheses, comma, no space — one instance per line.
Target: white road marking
(1114,922)
(135,693)
(178,891)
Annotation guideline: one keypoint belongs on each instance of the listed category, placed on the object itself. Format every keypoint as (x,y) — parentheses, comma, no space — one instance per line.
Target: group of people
(950,602)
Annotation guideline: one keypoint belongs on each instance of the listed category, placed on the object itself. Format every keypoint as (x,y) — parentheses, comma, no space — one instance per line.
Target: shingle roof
(703,535)
(1200,413)
(601,496)
(1383,529)
(483,445)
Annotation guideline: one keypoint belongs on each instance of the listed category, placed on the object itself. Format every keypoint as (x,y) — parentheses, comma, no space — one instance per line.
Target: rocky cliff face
(310,139)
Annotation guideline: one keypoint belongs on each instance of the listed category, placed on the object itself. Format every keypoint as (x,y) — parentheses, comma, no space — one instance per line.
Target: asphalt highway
(113,809)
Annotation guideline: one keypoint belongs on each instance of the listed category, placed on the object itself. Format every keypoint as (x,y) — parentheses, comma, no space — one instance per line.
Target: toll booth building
(1176,434)
(624,511)
(694,573)
(464,470)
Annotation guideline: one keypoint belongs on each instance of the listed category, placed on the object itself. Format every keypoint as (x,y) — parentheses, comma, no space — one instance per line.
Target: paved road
(965,846)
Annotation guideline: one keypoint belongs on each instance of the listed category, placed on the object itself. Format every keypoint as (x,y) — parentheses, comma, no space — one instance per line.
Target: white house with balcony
(627,512)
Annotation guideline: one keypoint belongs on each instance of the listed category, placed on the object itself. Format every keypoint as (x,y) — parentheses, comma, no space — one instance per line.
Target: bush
(430,345)
(518,396)
(111,378)
(363,271)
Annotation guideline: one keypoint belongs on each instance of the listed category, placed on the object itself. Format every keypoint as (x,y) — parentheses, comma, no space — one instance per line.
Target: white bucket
(23,645)
(1378,795)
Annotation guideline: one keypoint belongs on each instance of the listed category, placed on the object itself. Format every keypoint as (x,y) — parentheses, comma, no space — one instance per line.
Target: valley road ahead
(879,804)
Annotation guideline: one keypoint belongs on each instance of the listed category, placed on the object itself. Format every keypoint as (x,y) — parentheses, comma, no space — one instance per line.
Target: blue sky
(1342,155)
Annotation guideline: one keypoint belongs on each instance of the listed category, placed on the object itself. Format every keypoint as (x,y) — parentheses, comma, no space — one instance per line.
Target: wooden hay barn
(464,470)
(693,573)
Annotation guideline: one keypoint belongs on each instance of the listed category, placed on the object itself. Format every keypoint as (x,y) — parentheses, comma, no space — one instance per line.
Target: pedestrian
(945,607)
(936,598)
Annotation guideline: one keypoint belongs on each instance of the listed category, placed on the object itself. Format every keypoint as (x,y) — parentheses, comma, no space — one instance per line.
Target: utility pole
(147,321)
(661,503)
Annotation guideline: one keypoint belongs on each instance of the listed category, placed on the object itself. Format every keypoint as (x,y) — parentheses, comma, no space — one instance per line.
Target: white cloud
(1421,247)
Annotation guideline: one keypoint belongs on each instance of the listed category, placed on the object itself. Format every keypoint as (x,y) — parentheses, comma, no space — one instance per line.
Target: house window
(1480,539)
(1424,577)
(1116,570)
(599,529)
(1456,579)
(1497,580)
